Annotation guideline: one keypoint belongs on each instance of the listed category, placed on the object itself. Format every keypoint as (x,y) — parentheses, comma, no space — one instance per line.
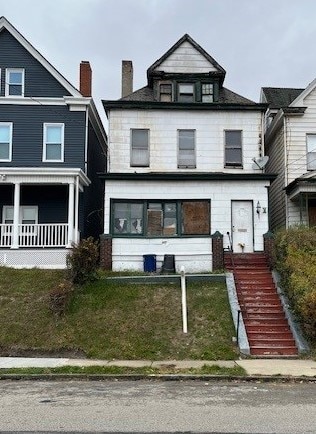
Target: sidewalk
(253,367)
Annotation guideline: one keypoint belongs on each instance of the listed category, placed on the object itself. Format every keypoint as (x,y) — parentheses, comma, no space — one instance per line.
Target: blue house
(52,144)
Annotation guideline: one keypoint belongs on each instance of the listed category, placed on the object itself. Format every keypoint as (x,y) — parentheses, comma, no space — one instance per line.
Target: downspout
(286,169)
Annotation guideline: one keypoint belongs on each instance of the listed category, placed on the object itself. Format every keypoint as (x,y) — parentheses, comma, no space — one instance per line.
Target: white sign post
(184,302)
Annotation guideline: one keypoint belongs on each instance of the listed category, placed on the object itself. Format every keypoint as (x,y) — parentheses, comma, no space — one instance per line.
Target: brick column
(106,252)
(268,243)
(218,251)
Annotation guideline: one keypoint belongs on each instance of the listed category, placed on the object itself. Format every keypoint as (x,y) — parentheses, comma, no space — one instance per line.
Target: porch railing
(35,235)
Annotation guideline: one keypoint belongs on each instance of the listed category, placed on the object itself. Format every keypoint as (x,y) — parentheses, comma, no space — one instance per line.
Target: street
(157,406)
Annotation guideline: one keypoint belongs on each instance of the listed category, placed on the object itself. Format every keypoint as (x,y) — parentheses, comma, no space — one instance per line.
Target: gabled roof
(5,24)
(278,97)
(186,38)
(299,99)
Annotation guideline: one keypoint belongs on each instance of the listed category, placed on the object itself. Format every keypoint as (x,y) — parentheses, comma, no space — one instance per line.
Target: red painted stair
(267,328)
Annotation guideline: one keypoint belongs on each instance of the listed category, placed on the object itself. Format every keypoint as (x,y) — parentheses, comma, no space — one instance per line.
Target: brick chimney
(127,77)
(85,78)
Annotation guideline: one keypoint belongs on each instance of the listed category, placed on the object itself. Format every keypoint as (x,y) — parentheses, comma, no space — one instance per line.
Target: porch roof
(42,175)
(306,184)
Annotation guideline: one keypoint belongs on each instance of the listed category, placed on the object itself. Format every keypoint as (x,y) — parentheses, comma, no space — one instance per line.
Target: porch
(35,235)
(302,200)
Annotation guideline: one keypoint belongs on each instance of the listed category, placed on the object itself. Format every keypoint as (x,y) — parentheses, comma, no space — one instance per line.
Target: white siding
(194,253)
(164,125)
(186,59)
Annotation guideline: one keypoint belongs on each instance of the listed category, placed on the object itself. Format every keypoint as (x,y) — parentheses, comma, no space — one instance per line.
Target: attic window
(186,92)
(166,92)
(207,92)
(14,85)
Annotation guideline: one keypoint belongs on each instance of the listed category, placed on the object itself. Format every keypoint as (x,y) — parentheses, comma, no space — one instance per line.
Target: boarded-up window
(154,222)
(196,218)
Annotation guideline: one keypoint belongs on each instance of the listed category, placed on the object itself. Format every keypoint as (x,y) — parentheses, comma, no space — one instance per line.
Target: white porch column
(16,216)
(71,202)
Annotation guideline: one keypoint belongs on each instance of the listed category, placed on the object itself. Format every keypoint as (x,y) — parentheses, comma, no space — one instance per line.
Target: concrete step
(273,351)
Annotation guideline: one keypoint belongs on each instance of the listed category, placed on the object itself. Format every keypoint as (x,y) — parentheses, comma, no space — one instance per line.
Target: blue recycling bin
(150,264)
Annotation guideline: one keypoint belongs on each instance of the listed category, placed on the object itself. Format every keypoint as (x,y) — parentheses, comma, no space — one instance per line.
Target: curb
(157,377)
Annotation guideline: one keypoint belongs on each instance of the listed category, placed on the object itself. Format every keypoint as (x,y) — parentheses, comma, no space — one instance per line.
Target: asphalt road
(151,406)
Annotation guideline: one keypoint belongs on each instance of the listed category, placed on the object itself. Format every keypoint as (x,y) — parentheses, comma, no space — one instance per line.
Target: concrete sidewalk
(253,367)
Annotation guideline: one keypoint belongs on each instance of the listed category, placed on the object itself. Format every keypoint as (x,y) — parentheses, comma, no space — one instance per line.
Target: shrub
(59,297)
(295,256)
(82,262)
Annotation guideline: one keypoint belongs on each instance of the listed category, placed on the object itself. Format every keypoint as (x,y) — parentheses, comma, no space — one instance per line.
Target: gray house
(52,144)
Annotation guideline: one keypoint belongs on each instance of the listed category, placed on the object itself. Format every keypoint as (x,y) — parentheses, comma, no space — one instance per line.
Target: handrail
(239,313)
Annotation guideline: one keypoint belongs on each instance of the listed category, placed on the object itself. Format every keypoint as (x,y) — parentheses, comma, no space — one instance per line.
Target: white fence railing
(39,235)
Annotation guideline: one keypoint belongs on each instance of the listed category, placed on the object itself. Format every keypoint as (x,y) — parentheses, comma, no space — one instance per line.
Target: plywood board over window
(195,218)
(154,222)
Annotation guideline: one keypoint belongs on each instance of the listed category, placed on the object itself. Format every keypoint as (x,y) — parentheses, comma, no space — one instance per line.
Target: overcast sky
(258,42)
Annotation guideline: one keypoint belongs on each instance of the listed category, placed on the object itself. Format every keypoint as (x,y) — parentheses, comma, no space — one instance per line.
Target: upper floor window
(186,149)
(233,148)
(53,146)
(14,85)
(139,148)
(166,92)
(207,92)
(311,151)
(5,141)
(186,92)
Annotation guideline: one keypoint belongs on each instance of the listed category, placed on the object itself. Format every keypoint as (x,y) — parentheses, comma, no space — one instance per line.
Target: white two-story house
(182,164)
(291,146)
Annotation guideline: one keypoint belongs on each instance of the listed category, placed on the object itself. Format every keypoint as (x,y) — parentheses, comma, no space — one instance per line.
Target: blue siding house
(52,145)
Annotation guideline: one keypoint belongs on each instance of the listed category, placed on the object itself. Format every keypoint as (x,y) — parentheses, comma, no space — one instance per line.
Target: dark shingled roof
(278,97)
(226,96)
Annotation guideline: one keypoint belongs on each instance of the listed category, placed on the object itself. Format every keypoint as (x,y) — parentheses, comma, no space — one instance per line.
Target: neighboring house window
(311,151)
(5,141)
(186,149)
(139,148)
(207,92)
(161,218)
(14,85)
(53,142)
(28,215)
(186,92)
(166,92)
(233,148)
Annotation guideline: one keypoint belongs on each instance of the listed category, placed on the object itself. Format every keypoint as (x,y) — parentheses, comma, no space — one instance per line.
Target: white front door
(242,226)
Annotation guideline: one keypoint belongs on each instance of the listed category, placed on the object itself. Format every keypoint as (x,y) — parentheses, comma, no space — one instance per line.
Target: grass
(110,321)
(118,370)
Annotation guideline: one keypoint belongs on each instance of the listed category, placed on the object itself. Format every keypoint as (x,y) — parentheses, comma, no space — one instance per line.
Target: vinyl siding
(27,142)
(38,81)
(276,165)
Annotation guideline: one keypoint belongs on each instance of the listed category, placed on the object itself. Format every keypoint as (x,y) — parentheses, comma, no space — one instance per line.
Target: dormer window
(166,92)
(186,92)
(207,92)
(14,85)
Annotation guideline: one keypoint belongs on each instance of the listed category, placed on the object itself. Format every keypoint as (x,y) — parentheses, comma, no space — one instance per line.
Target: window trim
(182,166)
(7,82)
(233,165)
(310,153)
(166,93)
(10,125)
(53,124)
(207,94)
(145,203)
(148,147)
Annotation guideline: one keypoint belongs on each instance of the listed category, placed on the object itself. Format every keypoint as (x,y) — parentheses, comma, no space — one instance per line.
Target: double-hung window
(5,141)
(14,82)
(165,92)
(233,148)
(207,91)
(139,148)
(28,217)
(311,151)
(53,142)
(186,92)
(186,149)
